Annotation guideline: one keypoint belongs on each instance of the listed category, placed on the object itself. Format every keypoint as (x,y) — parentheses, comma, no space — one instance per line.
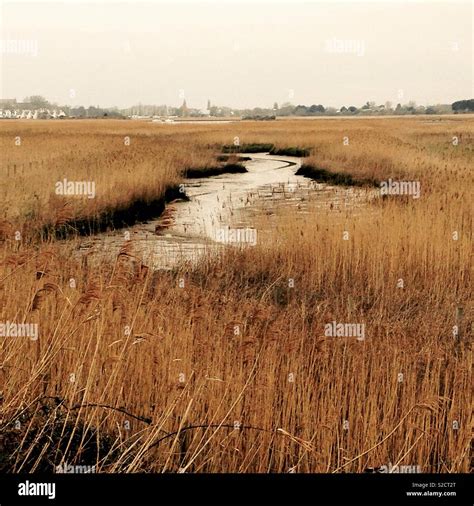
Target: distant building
(32,114)
(184,109)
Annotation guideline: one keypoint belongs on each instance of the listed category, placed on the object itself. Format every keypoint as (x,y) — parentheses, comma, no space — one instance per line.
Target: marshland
(219,362)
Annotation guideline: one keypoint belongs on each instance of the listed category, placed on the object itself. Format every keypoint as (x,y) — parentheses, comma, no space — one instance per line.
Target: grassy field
(225,366)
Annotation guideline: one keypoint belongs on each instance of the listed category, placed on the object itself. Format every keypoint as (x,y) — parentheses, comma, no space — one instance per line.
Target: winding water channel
(220,209)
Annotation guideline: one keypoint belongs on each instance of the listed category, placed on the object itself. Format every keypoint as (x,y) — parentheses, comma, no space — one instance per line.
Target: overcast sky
(236,53)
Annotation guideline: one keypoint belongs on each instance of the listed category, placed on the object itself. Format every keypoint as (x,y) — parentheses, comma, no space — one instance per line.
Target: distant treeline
(258,113)
(368,109)
(463,105)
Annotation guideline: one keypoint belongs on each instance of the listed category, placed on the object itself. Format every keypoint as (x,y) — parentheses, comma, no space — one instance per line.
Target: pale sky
(236,53)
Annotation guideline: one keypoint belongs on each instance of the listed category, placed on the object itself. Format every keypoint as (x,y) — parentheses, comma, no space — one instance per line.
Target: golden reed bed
(225,366)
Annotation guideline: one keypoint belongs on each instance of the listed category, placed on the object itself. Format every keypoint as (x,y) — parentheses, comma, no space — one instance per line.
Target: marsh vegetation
(223,365)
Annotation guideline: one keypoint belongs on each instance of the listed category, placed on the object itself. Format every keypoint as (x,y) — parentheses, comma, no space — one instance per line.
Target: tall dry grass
(223,367)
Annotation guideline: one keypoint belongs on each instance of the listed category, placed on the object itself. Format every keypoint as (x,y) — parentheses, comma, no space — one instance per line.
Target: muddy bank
(271,149)
(138,211)
(230,168)
(233,158)
(333,178)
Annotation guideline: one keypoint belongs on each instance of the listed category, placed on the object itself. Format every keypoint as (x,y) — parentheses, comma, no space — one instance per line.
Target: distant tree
(343,109)
(93,112)
(214,110)
(286,109)
(398,109)
(316,109)
(352,109)
(80,112)
(369,105)
(443,109)
(225,111)
(275,106)
(300,110)
(37,101)
(463,105)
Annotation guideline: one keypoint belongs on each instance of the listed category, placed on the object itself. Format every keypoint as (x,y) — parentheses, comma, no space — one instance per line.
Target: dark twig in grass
(121,410)
(207,426)
(61,403)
